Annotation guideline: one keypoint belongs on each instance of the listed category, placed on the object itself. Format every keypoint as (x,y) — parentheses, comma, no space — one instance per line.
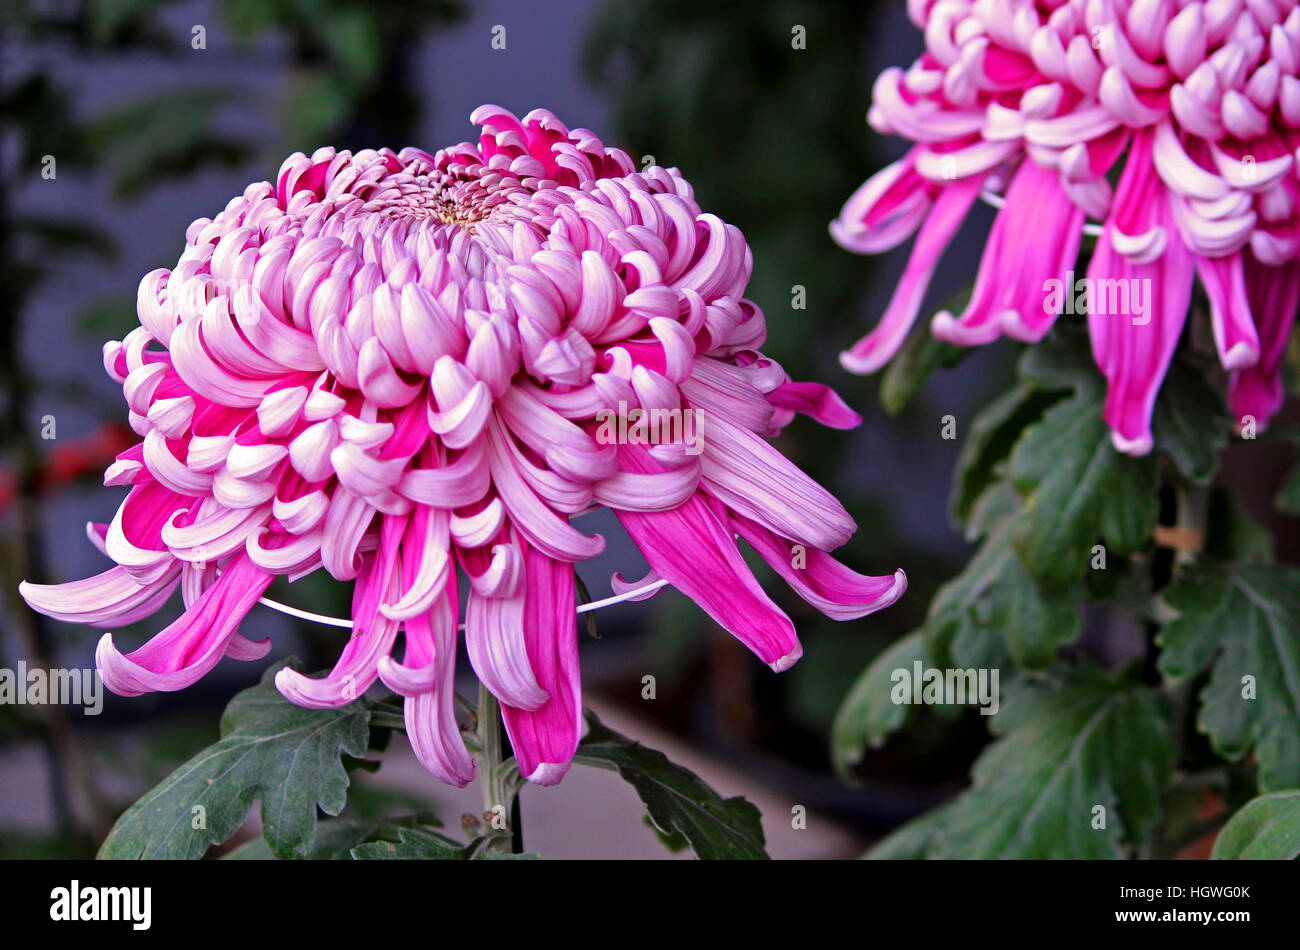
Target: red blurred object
(70,461)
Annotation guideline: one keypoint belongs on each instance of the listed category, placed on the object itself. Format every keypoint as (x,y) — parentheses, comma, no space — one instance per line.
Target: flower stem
(499,776)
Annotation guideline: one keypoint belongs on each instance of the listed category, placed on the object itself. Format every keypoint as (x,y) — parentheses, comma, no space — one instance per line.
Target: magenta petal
(1235,336)
(545,739)
(1035,239)
(427,678)
(373,634)
(880,346)
(816,400)
(750,476)
(1257,391)
(885,211)
(186,650)
(108,599)
(695,551)
(818,578)
(1134,356)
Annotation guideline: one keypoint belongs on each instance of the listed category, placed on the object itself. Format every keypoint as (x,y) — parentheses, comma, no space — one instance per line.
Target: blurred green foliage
(773,138)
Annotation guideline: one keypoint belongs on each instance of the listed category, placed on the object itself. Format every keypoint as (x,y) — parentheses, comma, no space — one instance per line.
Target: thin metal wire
(997,201)
(632,594)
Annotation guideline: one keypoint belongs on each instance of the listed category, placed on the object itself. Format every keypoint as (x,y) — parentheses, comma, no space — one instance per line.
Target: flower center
(454,200)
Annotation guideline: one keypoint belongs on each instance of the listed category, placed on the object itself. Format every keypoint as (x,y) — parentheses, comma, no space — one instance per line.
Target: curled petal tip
(1136,447)
(781,664)
(897,591)
(1241,356)
(548,773)
(864,365)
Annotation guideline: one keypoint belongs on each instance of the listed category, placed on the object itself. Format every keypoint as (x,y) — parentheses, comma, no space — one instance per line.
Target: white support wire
(997,201)
(633,594)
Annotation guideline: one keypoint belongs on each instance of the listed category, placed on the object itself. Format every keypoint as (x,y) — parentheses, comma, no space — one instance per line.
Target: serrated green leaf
(994,601)
(676,800)
(1078,489)
(336,837)
(1242,622)
(1266,828)
(418,844)
(288,757)
(993,433)
(1064,750)
(868,715)
(1060,361)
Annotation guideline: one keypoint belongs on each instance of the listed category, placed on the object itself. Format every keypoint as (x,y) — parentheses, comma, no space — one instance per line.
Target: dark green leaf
(908,371)
(913,841)
(994,599)
(1065,749)
(1190,422)
(1078,489)
(1231,534)
(993,433)
(675,798)
(336,837)
(868,715)
(1238,623)
(288,757)
(418,844)
(1266,828)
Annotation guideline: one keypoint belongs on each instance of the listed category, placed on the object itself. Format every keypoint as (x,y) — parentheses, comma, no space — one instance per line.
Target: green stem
(500,778)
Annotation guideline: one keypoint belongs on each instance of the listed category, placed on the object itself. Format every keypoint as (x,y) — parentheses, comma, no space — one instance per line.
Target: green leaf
(1242,622)
(418,844)
(1060,361)
(1079,489)
(868,715)
(288,757)
(336,837)
(1266,828)
(675,798)
(1064,750)
(908,371)
(913,841)
(993,433)
(994,599)
(1190,421)
(675,842)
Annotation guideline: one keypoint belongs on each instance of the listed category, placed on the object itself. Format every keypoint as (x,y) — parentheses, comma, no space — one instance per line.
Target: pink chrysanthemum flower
(393,366)
(1195,106)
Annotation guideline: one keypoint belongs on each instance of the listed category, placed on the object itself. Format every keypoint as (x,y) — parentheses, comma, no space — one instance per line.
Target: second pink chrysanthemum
(1194,105)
